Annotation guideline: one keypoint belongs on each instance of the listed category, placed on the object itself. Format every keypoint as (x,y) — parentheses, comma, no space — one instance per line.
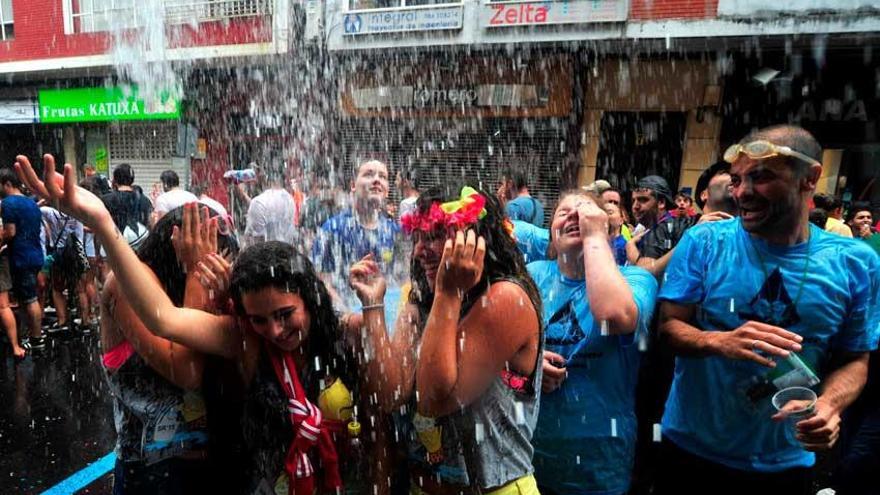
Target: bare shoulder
(508,303)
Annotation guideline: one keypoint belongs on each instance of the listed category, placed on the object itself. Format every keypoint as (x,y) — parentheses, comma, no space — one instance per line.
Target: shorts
(24,284)
(520,486)
(5,277)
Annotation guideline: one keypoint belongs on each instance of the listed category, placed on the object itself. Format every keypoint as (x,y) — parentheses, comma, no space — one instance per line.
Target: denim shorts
(24,284)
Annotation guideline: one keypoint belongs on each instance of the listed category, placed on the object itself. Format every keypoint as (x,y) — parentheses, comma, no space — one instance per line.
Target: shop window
(87,16)
(396,4)
(6,31)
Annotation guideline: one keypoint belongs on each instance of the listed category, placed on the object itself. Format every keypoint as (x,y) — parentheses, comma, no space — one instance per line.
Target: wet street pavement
(56,417)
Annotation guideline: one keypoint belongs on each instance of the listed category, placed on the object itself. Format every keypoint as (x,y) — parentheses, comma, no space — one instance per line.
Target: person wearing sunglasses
(740,298)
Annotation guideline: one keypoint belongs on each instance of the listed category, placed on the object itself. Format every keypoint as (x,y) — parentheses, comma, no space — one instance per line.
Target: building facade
(72,68)
(655,86)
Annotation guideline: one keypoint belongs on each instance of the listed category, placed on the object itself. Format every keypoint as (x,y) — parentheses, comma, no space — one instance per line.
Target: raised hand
(592,220)
(196,237)
(461,266)
(62,192)
(214,273)
(367,281)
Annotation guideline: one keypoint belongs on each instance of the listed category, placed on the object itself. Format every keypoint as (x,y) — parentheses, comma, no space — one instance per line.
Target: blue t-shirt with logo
(720,409)
(342,241)
(25,249)
(586,433)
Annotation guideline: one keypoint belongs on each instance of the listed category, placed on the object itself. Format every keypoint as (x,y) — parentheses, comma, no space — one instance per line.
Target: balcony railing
(88,16)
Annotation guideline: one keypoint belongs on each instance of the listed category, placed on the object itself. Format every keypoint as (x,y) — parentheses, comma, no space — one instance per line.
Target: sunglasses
(760,150)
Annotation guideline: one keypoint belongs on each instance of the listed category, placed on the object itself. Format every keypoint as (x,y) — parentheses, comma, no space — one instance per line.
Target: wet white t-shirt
(270,217)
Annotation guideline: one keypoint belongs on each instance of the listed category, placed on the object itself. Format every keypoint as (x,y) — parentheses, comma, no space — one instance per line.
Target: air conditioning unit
(314,29)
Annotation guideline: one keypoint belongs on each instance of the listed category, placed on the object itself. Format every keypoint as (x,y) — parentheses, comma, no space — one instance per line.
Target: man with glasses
(755,304)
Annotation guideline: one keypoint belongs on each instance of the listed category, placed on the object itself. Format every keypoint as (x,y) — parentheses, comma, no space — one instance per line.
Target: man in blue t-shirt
(22,223)
(364,229)
(741,297)
(519,203)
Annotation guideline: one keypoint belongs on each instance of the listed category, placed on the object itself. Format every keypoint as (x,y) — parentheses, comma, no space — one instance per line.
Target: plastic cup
(797,403)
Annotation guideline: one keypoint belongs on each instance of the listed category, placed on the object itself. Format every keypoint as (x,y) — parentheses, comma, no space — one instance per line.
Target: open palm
(62,191)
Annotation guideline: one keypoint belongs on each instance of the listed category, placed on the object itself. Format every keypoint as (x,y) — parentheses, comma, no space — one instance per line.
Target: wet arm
(178,364)
(452,373)
(609,295)
(844,384)
(684,338)
(196,329)
(654,265)
(389,362)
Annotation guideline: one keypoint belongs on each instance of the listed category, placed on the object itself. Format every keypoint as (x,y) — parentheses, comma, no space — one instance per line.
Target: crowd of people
(467,340)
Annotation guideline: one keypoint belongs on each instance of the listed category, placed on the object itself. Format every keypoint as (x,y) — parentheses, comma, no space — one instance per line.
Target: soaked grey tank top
(487,443)
(155,420)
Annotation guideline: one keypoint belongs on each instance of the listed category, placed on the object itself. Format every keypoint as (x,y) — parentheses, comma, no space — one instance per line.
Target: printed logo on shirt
(772,304)
(565,320)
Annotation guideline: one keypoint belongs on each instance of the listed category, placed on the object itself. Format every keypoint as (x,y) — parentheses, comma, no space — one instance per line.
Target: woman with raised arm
(470,395)
(159,412)
(283,333)
(595,313)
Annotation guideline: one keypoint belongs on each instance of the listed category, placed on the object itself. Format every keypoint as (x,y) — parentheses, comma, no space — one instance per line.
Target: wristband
(373,306)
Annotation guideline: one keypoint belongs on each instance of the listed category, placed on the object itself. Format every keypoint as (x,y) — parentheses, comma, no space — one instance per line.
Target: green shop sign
(104,104)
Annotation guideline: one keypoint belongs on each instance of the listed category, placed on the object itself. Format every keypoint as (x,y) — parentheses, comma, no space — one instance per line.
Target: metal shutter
(475,150)
(148,147)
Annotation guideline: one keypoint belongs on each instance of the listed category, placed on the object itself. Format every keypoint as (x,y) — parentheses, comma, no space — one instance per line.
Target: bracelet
(373,306)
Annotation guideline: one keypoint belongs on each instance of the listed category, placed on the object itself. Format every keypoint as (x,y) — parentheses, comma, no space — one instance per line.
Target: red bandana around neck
(306,420)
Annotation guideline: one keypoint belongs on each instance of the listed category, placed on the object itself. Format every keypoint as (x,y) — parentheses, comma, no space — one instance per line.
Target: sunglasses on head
(760,150)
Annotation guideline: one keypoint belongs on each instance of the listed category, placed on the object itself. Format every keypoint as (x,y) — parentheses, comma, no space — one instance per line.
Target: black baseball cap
(658,185)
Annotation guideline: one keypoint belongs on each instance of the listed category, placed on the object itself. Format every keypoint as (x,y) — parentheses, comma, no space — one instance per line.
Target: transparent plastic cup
(796,403)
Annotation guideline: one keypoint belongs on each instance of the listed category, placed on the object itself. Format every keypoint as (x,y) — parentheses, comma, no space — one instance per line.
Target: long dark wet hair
(278,265)
(503,259)
(157,252)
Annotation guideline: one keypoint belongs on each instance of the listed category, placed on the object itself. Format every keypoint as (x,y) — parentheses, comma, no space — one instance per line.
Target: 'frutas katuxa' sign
(104,104)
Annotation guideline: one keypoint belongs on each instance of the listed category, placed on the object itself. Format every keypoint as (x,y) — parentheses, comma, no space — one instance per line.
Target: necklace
(803,275)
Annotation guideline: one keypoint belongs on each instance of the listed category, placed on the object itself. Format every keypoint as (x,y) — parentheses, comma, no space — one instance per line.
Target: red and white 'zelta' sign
(504,14)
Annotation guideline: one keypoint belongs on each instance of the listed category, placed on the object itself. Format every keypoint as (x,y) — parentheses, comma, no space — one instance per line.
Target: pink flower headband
(467,210)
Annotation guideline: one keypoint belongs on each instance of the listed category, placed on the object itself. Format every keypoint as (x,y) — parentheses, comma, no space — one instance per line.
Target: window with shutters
(143,141)
(87,16)
(391,4)
(6,18)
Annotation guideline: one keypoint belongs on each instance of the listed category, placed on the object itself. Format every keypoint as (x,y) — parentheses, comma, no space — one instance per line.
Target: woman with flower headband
(595,313)
(471,391)
(283,335)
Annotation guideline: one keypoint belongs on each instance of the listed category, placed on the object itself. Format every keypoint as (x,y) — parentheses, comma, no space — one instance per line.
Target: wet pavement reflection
(56,415)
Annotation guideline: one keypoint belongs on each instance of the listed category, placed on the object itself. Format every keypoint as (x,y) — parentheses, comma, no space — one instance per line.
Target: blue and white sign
(403,20)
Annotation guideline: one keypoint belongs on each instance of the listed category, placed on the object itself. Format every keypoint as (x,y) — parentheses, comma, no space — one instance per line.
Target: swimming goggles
(760,150)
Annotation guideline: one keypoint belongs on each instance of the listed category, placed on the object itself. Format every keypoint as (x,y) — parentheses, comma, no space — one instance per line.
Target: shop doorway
(635,144)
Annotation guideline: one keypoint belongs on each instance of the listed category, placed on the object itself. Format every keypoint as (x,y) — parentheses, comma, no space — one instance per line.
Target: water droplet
(519,413)
(614,427)
(731,305)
